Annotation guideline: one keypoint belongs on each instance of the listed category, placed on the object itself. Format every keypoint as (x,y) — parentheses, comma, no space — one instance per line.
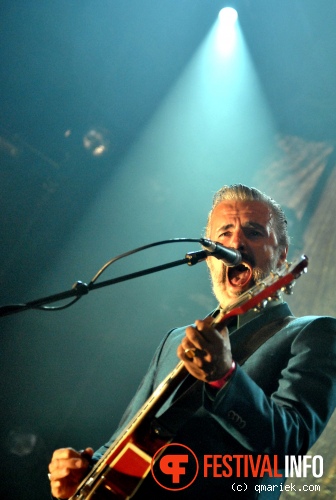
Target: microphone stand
(79,288)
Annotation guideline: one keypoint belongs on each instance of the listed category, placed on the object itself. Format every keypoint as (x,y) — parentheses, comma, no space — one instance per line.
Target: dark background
(127,75)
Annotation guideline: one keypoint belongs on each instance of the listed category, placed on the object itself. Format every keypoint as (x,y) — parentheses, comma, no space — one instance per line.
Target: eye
(254,233)
(226,234)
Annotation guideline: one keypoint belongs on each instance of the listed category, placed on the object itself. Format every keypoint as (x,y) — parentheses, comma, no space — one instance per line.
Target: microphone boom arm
(79,288)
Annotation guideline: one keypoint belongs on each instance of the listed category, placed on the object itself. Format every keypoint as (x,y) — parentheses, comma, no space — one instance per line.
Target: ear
(282,255)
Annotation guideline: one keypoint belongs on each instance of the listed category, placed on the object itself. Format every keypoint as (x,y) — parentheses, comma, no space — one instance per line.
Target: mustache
(248,259)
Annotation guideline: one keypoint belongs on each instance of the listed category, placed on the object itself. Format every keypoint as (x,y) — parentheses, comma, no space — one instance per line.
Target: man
(247,413)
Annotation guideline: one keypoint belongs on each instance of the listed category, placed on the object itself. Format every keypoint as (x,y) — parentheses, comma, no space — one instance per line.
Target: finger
(62,468)
(87,453)
(65,453)
(61,461)
(194,338)
(66,489)
(203,333)
(68,453)
(191,355)
(211,346)
(192,348)
(186,343)
(63,482)
(194,354)
(208,331)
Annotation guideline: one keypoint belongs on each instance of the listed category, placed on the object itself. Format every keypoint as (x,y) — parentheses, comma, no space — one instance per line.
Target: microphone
(229,256)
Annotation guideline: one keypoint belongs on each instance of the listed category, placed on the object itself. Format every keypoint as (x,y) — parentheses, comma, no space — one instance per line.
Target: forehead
(246,211)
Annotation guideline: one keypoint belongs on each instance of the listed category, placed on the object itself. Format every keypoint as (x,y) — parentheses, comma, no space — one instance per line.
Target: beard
(220,277)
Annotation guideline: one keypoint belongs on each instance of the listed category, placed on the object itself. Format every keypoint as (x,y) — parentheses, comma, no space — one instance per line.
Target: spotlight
(20,442)
(228,16)
(96,141)
(227,31)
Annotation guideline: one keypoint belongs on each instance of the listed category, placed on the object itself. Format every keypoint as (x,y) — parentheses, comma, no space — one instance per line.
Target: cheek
(215,266)
(266,256)
(273,255)
(269,250)
(216,270)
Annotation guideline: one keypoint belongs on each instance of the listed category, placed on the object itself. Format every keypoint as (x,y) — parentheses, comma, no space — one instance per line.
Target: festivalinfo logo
(175,466)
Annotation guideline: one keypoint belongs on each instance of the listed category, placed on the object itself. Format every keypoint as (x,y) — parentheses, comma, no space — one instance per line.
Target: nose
(238,241)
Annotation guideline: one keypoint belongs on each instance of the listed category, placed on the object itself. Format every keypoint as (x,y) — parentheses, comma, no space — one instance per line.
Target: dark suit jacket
(277,403)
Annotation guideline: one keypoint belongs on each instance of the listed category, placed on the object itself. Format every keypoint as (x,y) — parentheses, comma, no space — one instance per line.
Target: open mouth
(240,275)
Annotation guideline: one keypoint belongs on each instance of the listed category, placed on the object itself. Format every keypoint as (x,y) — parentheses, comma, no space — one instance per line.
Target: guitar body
(123,467)
(120,472)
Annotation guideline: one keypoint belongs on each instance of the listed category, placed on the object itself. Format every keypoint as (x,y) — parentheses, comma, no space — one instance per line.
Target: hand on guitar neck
(205,351)
(67,469)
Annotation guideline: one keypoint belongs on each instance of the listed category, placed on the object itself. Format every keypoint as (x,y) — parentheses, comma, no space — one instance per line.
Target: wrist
(218,384)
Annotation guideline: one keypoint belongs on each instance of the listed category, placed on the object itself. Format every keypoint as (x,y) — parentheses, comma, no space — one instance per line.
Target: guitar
(126,463)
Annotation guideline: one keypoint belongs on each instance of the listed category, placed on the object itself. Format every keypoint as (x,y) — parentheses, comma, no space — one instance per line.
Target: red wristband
(218,384)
